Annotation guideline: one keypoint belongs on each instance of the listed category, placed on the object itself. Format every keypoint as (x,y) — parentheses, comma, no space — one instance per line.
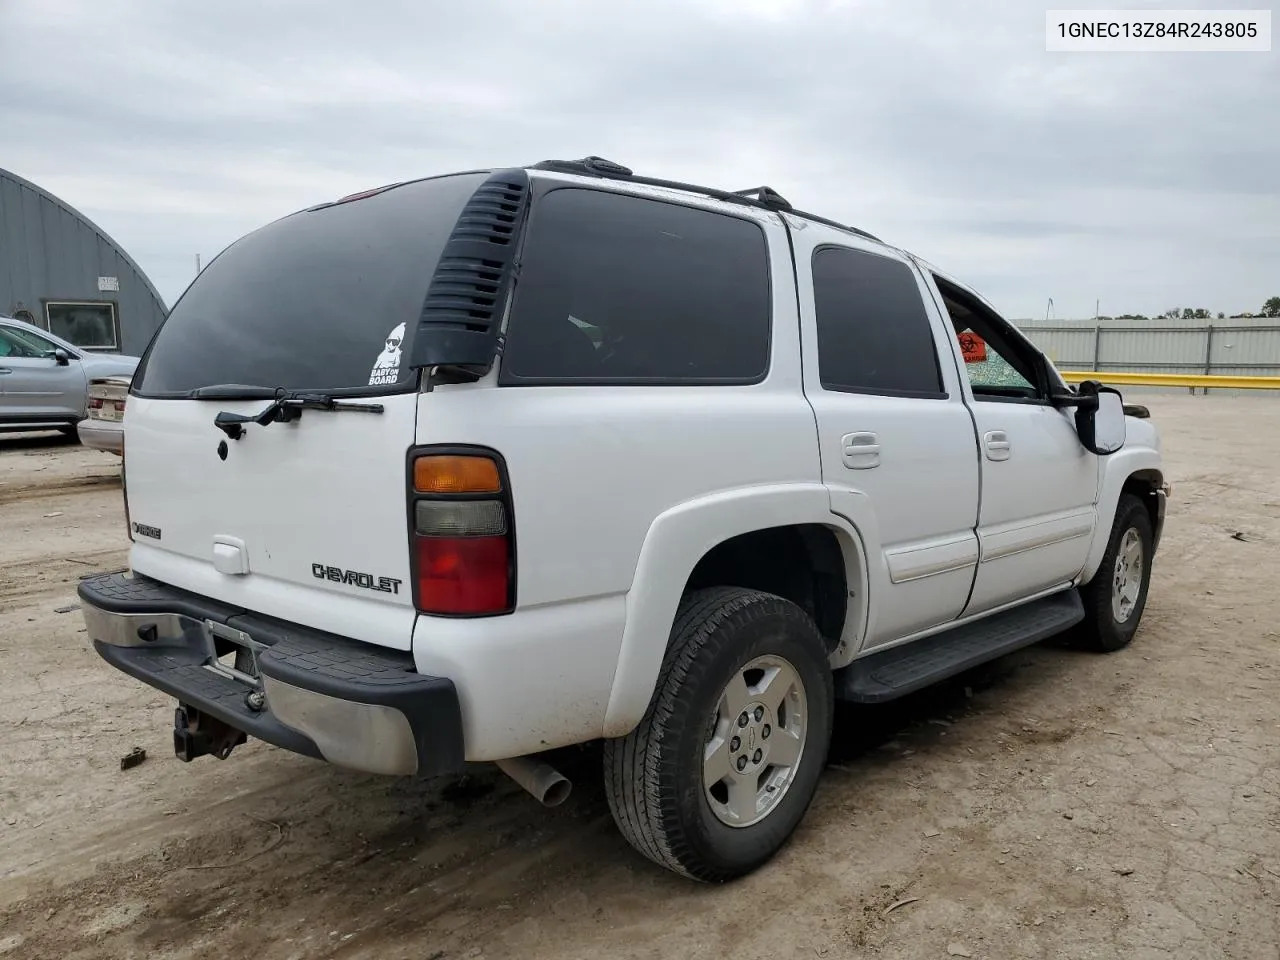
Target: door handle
(5,370)
(997,444)
(860,451)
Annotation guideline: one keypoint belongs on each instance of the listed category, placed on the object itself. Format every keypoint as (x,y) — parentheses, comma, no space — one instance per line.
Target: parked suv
(477,466)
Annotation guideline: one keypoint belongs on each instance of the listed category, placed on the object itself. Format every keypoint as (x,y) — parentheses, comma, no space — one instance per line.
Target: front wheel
(725,762)
(1117,595)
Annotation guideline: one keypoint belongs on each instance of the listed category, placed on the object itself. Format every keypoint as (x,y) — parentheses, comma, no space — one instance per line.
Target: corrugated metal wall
(1244,345)
(50,252)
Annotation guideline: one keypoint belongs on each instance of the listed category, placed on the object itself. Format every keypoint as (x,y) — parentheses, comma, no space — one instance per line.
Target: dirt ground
(1055,804)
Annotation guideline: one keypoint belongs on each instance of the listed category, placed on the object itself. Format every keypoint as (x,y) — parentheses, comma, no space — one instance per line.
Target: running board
(913,666)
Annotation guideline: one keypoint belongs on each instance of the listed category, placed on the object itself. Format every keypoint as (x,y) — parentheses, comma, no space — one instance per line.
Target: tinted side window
(623,289)
(873,332)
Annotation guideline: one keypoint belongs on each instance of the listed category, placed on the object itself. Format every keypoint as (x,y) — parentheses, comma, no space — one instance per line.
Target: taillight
(462,532)
(95,403)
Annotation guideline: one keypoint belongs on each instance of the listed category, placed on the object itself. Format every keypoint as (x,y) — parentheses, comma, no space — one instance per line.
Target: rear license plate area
(233,654)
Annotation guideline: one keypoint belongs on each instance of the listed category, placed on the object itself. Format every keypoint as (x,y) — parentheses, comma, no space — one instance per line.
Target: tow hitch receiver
(197,734)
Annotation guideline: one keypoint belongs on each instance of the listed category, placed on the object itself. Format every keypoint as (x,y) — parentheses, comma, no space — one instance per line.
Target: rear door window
(322,300)
(629,290)
(873,332)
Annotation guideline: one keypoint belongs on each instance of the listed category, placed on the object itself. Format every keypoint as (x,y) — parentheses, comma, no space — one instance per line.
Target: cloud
(1143,179)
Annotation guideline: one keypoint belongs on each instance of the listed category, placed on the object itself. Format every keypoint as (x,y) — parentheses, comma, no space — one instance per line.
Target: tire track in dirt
(35,580)
(223,874)
(11,493)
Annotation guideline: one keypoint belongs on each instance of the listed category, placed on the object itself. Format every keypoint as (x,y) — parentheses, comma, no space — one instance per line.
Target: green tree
(1188,313)
(1221,315)
(1271,308)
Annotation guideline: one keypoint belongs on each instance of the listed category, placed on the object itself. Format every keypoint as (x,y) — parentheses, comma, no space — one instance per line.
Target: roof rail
(767,196)
(764,198)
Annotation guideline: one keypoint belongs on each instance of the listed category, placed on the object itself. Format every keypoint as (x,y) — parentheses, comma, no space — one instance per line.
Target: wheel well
(803,563)
(1144,485)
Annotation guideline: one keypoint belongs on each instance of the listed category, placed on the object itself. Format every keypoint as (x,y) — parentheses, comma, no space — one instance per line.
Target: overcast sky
(1146,180)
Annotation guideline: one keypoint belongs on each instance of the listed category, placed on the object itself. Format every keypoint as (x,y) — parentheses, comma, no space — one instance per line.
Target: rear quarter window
(324,300)
(619,289)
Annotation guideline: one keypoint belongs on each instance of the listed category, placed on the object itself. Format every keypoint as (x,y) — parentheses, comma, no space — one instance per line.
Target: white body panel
(1139,455)
(1037,512)
(1039,489)
(326,489)
(922,483)
(593,470)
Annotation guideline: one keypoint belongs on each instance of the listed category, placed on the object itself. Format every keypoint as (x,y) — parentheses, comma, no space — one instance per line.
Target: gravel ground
(1055,804)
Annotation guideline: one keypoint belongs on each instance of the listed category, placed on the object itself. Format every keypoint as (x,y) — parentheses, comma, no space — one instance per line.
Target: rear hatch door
(303,517)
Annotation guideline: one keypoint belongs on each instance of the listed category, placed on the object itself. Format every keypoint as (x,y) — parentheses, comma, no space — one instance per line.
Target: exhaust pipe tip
(544,782)
(557,793)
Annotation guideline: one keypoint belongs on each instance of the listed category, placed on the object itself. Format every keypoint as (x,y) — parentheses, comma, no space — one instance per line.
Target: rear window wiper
(285,408)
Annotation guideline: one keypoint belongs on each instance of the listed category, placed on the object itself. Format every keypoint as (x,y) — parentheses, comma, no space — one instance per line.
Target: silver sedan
(44,380)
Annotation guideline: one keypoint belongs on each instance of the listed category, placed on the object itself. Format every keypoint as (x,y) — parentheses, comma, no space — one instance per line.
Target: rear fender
(674,544)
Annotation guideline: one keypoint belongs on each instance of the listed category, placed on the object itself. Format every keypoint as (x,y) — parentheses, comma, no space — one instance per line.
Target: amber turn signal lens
(456,474)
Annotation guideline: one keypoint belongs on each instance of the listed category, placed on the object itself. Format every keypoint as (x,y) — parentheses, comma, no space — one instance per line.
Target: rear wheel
(726,760)
(1117,595)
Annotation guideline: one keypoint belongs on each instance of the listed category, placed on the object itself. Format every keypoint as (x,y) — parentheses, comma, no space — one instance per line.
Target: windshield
(322,300)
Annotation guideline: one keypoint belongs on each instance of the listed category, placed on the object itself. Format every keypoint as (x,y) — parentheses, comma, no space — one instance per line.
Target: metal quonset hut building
(61,272)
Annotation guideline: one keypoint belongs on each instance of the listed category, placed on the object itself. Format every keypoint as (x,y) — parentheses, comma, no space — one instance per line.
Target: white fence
(1242,347)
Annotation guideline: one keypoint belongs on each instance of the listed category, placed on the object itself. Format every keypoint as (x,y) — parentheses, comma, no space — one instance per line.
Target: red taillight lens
(463,547)
(95,403)
(460,575)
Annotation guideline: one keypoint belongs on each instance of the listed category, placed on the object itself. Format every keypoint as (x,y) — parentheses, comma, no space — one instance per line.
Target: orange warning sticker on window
(973,347)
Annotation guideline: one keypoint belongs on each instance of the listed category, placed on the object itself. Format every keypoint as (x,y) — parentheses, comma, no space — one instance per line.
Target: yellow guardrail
(1192,380)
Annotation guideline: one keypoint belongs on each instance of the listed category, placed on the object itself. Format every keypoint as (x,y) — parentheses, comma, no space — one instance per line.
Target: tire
(1105,627)
(654,776)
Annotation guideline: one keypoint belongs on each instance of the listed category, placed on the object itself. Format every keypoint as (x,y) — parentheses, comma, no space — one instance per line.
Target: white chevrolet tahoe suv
(477,466)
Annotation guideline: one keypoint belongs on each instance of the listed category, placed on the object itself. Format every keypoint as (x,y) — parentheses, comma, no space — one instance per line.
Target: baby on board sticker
(386,369)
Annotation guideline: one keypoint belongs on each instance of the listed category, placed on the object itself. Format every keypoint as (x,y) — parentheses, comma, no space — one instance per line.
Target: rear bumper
(350,703)
(102,435)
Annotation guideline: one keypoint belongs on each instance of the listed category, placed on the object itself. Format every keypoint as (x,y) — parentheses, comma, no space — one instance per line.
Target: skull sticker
(386,369)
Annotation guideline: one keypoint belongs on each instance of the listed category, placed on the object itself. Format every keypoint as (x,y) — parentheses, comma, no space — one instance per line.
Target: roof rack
(768,197)
(765,198)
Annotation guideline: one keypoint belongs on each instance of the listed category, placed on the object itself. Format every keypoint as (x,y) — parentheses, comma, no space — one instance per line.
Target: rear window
(322,300)
(623,289)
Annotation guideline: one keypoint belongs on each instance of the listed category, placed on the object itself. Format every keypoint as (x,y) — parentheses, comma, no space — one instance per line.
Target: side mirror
(1100,421)
(61,357)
